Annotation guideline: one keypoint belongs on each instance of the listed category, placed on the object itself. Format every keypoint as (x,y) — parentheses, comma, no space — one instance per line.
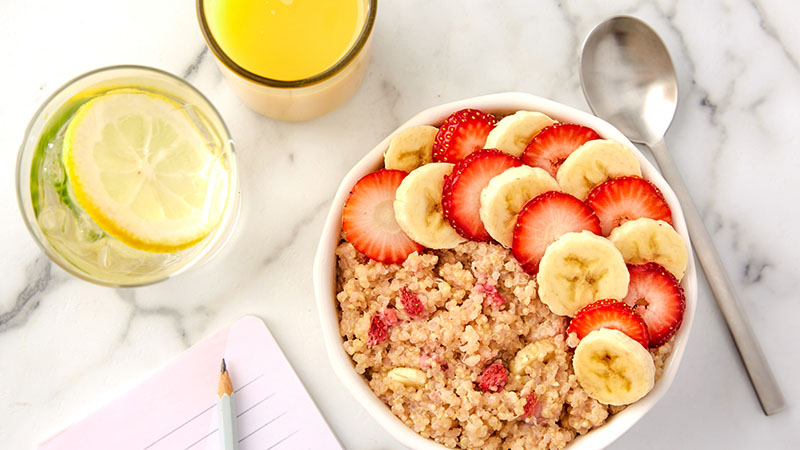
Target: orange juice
(290,59)
(285,39)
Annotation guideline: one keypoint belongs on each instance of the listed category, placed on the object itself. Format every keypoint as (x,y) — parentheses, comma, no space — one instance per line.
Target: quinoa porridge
(426,332)
(508,283)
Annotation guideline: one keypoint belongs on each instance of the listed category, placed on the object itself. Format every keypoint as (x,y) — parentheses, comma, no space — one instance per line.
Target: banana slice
(513,133)
(418,207)
(613,368)
(505,195)
(540,350)
(408,376)
(410,148)
(647,240)
(593,163)
(578,269)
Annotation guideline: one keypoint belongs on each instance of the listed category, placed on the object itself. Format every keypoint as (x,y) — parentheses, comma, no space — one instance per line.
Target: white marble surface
(67,346)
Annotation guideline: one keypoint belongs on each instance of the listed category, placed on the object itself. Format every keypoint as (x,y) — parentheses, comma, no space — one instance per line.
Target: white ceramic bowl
(325,270)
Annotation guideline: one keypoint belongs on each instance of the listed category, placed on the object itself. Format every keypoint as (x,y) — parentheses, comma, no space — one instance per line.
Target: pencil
(226,411)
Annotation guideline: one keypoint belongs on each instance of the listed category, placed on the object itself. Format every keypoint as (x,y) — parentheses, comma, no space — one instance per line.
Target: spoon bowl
(628,78)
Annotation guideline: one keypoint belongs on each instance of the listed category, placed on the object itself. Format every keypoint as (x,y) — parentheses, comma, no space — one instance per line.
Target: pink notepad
(175,409)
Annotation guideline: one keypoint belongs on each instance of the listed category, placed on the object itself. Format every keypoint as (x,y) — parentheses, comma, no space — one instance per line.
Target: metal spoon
(628,79)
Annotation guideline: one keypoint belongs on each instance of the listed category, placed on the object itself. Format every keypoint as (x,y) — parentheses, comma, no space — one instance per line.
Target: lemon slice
(144,172)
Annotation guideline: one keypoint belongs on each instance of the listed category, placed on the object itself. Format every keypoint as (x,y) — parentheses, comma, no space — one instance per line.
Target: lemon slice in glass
(144,172)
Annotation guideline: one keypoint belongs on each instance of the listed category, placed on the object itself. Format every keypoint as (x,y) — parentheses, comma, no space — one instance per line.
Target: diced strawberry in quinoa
(412,304)
(491,296)
(390,317)
(379,326)
(427,361)
(493,378)
(533,408)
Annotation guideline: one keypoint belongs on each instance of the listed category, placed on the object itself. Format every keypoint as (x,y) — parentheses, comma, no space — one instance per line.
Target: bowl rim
(324,270)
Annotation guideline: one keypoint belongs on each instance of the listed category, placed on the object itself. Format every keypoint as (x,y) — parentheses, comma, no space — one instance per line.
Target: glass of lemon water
(127,176)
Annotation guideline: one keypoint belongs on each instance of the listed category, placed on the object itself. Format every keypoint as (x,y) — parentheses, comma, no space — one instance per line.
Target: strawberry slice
(657,296)
(461,134)
(368,218)
(611,314)
(543,220)
(461,194)
(554,143)
(627,198)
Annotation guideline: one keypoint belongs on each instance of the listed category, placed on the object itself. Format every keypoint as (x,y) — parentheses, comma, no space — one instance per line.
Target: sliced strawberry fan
(462,133)
(554,143)
(461,194)
(543,220)
(627,198)
(368,218)
(656,295)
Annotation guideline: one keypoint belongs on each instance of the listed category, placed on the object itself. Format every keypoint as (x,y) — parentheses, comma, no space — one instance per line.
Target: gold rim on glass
(366,30)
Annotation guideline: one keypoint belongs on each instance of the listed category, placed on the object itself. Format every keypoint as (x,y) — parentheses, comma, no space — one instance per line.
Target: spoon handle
(769,394)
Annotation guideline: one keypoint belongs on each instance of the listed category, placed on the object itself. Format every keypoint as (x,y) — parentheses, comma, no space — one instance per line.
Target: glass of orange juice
(290,59)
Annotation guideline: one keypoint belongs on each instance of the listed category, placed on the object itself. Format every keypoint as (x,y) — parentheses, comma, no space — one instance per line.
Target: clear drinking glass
(59,222)
(299,99)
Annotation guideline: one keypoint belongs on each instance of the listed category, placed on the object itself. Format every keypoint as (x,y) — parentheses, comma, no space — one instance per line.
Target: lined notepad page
(176,408)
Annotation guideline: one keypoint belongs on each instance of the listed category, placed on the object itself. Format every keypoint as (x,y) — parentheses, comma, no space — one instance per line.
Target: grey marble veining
(67,346)
(37,280)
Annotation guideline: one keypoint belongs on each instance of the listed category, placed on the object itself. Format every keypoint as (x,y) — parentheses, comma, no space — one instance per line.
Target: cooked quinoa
(477,307)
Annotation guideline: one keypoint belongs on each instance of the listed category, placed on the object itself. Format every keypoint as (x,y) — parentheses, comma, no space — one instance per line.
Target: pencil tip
(222,368)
